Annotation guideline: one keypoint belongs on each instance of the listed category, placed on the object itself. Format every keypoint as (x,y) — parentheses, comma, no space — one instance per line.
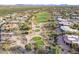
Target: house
(9,26)
(74,16)
(71,39)
(1,18)
(64,23)
(58,17)
(68,29)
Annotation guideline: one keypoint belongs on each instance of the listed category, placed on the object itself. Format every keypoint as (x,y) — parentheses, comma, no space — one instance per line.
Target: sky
(12,2)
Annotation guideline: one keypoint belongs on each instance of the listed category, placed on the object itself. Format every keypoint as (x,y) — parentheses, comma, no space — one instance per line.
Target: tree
(75,26)
(24,28)
(28,47)
(6,45)
(74,46)
(54,36)
(56,49)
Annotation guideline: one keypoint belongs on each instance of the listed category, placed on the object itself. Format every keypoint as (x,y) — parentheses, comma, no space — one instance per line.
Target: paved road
(63,45)
(60,41)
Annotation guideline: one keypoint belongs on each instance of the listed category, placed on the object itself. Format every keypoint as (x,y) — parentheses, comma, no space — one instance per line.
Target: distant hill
(40,5)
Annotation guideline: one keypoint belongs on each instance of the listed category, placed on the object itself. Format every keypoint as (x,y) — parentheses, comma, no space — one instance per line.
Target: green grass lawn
(37,30)
(38,41)
(42,17)
(37,26)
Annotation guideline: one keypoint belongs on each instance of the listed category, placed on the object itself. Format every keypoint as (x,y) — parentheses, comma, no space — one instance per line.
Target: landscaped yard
(42,17)
(38,41)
